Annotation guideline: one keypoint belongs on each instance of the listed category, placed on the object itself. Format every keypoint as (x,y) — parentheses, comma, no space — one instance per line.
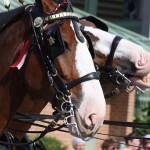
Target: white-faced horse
(46,45)
(128,58)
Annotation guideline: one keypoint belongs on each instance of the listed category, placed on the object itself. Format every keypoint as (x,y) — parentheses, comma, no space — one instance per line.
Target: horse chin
(81,130)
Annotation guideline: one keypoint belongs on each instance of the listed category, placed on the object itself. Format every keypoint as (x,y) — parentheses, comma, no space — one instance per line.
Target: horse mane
(9,17)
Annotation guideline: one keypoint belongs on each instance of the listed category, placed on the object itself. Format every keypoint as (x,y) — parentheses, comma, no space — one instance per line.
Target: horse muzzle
(83,131)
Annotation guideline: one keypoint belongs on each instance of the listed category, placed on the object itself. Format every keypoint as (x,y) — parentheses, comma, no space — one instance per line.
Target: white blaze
(93,99)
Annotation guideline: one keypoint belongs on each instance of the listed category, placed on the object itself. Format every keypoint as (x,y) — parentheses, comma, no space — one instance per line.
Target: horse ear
(38,3)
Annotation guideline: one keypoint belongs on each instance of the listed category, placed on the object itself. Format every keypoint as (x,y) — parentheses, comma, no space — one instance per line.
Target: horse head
(69,69)
(129,58)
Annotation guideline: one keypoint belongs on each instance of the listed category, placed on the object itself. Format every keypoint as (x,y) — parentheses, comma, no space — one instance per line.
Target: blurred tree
(143,117)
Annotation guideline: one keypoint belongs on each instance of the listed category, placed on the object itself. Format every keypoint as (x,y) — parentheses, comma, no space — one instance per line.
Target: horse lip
(83,129)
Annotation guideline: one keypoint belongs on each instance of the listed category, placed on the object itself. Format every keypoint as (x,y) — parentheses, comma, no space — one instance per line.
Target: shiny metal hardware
(38,22)
(51,41)
(118,78)
(129,83)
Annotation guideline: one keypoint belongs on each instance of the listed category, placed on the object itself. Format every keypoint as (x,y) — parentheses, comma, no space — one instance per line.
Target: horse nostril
(90,121)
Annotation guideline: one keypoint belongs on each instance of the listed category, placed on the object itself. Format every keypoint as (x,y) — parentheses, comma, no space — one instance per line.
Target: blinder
(98,23)
(54,42)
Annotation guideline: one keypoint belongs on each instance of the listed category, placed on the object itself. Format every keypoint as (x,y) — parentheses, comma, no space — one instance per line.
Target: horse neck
(22,30)
(39,92)
(13,38)
(28,105)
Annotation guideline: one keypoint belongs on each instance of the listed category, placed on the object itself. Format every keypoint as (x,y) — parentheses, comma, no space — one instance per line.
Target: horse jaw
(141,59)
(90,107)
(125,51)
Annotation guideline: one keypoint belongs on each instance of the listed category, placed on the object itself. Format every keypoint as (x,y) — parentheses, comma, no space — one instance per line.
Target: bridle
(107,70)
(114,75)
(62,90)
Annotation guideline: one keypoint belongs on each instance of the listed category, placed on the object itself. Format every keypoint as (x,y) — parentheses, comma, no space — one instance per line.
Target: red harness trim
(20,61)
(58,6)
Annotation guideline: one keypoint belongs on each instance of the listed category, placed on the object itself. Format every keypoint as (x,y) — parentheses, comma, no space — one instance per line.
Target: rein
(27,118)
(41,117)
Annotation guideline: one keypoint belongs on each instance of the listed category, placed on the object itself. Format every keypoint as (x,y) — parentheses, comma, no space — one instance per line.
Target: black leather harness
(63,94)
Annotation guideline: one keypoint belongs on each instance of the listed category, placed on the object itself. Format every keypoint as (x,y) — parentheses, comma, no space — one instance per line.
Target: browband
(62,15)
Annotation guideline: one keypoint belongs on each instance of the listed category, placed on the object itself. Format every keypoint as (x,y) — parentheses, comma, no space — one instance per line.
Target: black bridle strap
(34,117)
(65,87)
(107,122)
(90,76)
(120,136)
(128,124)
(116,91)
(112,51)
(47,130)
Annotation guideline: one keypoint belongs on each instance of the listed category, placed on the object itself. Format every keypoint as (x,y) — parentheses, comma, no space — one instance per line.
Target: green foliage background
(51,143)
(143,117)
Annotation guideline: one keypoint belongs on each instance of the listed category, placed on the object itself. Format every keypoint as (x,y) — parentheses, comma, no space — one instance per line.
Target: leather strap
(112,51)
(90,76)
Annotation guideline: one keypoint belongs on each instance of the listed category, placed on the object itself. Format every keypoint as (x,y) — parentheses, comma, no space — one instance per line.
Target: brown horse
(73,64)
(123,59)
(130,58)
